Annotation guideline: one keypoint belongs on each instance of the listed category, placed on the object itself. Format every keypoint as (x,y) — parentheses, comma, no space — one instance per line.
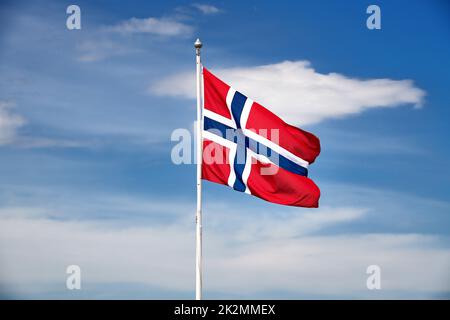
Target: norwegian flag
(250,149)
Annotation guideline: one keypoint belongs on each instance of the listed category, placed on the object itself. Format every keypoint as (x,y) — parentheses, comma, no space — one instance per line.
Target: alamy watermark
(229,146)
(73,21)
(374,20)
(373,281)
(73,281)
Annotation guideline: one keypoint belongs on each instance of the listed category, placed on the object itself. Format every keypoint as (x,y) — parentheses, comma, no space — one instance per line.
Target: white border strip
(217,117)
(246,112)
(260,157)
(275,147)
(218,139)
(232,177)
(246,172)
(251,134)
(229,99)
(231,155)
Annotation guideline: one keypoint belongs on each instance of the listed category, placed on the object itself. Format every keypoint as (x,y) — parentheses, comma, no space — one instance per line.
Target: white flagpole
(198,215)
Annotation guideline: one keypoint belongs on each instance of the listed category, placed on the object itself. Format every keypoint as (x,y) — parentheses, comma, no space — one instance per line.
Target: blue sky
(86,175)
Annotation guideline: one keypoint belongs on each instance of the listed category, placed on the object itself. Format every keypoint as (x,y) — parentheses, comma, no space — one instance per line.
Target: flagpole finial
(198,44)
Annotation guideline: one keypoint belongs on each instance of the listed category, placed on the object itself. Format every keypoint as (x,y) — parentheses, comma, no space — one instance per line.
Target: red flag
(252,150)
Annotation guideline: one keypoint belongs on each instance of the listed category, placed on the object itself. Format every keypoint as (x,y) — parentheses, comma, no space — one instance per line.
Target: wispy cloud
(9,122)
(300,94)
(108,233)
(307,265)
(157,26)
(291,224)
(96,50)
(206,8)
(105,42)
(43,142)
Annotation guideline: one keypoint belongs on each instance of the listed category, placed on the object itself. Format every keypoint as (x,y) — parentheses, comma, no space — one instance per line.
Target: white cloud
(151,25)
(9,123)
(206,8)
(279,253)
(164,256)
(43,142)
(300,94)
(289,225)
(333,265)
(96,50)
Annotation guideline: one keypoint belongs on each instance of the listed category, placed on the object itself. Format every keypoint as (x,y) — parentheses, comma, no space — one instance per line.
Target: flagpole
(198,215)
